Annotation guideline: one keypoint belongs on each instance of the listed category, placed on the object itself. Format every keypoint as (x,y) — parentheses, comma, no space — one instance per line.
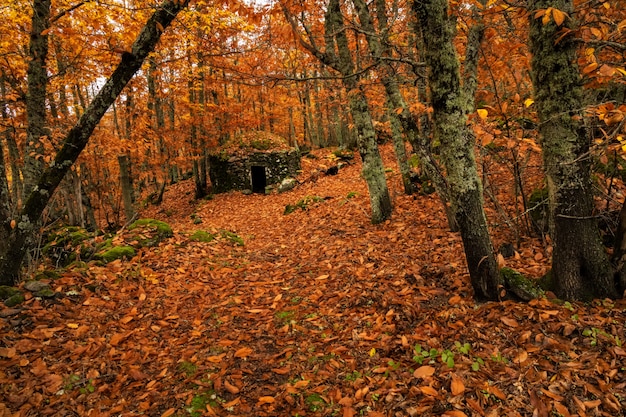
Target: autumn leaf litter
(319,313)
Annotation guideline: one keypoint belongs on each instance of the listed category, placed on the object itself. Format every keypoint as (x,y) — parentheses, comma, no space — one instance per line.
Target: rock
(14,300)
(519,285)
(246,192)
(34,286)
(287,184)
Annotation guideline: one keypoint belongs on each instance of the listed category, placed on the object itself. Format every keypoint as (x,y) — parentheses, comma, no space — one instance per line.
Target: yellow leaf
(559,16)
(546,17)
(606,5)
(72,325)
(373,352)
(482,113)
(528,102)
(424,371)
(620,70)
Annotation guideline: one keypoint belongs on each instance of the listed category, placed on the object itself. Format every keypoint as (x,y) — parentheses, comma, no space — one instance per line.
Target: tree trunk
(457,147)
(373,170)
(78,136)
(580,267)
(126,183)
(36,97)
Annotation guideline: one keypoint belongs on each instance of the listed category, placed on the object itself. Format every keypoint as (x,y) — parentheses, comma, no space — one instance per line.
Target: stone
(287,184)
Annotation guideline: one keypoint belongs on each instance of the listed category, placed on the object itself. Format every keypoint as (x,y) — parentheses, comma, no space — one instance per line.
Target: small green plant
(464,348)
(302,204)
(353,376)
(477,363)
(285,316)
(314,402)
(352,194)
(593,334)
(88,388)
(499,358)
(421,355)
(199,402)
(447,357)
(394,365)
(188,368)
(232,237)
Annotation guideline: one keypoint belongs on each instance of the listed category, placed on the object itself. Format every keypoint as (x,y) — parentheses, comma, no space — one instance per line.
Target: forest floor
(318,313)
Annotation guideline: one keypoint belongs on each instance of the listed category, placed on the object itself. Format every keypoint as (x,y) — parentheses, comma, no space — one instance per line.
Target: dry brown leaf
(243,352)
(424,371)
(266,400)
(456,385)
(428,390)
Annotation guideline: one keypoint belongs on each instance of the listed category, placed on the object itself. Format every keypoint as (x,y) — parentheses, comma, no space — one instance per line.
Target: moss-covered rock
(519,285)
(116,252)
(7,292)
(14,300)
(202,236)
(150,232)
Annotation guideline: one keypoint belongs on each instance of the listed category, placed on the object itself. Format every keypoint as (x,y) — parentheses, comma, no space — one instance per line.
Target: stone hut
(252,161)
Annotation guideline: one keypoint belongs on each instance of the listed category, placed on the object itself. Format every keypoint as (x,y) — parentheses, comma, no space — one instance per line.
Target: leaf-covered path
(319,313)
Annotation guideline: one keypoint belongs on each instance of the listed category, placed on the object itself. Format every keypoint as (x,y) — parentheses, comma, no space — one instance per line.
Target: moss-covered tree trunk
(37,78)
(580,266)
(373,170)
(77,138)
(457,147)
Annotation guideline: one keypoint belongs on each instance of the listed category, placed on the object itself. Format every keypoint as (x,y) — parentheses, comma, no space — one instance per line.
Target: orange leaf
(168,412)
(428,390)
(424,371)
(231,388)
(454,413)
(266,400)
(558,16)
(456,386)
(243,352)
(509,321)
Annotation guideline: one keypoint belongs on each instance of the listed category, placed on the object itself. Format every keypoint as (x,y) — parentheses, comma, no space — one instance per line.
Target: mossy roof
(254,141)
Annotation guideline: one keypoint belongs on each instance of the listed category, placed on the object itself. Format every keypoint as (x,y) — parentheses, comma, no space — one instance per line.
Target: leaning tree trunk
(78,136)
(580,267)
(457,146)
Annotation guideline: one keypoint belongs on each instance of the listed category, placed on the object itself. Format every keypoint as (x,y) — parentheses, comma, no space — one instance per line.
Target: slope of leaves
(318,313)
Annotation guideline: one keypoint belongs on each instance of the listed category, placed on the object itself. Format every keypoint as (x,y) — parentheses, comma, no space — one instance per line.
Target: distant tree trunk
(580,267)
(457,147)
(13,157)
(5,205)
(126,183)
(77,138)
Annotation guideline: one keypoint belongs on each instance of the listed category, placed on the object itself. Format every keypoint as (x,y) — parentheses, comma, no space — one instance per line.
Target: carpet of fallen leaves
(319,313)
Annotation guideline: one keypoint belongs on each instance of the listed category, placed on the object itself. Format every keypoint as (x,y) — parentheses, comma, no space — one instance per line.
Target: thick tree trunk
(5,205)
(457,147)
(36,96)
(580,267)
(78,136)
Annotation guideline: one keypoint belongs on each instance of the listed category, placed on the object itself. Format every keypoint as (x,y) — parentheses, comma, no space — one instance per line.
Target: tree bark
(37,79)
(337,55)
(580,267)
(77,138)
(126,183)
(450,129)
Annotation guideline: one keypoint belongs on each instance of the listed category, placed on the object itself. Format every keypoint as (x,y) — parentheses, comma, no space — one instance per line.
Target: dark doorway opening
(259,180)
